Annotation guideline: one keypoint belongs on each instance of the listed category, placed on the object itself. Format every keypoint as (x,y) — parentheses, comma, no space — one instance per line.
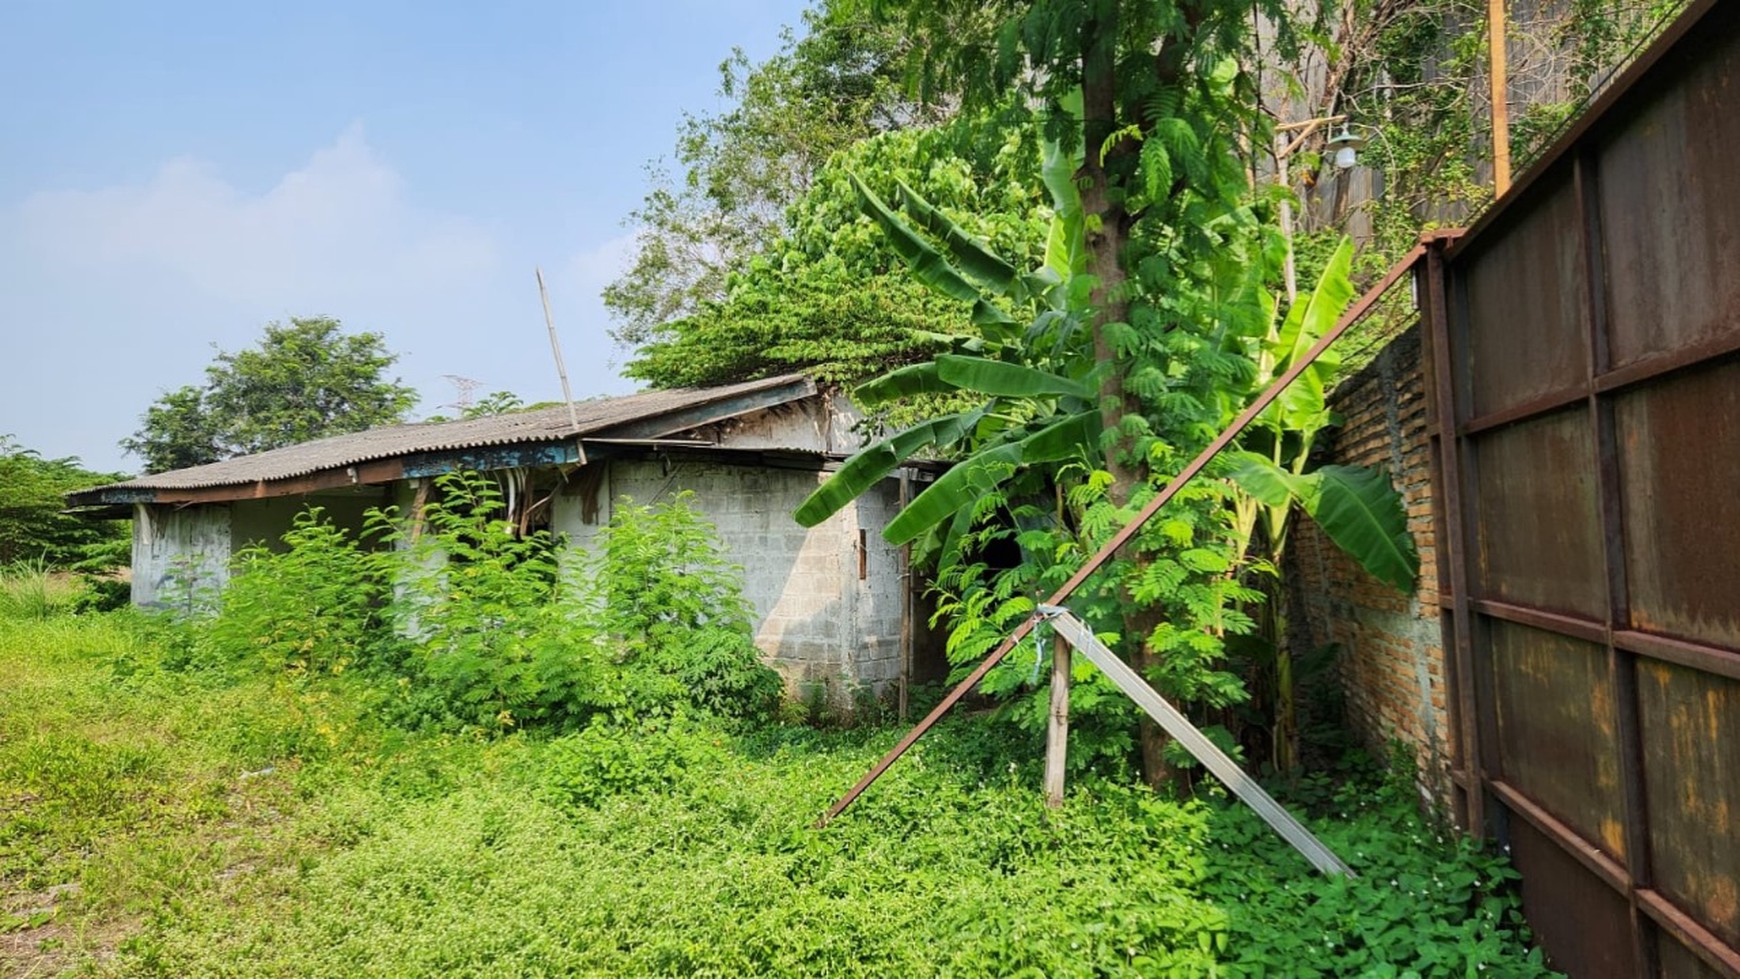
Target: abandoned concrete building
(836,608)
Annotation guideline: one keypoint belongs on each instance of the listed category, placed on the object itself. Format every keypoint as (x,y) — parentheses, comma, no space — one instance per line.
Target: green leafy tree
(1032,451)
(179,430)
(305,380)
(831,297)
(739,170)
(32,526)
(1151,95)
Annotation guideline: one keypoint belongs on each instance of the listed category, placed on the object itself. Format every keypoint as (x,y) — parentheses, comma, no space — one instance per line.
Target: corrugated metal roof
(543,425)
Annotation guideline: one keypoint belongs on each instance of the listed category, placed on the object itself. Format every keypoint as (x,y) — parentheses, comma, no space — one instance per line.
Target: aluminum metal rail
(1194,741)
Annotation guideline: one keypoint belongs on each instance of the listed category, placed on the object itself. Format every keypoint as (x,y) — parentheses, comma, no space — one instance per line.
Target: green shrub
(673,608)
(466,623)
(483,636)
(103,592)
(307,609)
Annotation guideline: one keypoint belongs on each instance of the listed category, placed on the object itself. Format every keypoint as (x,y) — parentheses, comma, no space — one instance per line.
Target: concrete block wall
(1391,664)
(820,624)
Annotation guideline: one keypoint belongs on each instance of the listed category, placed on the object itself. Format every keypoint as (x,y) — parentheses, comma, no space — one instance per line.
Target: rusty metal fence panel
(1584,358)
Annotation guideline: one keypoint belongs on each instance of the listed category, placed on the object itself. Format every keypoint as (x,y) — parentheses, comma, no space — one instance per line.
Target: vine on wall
(1411,76)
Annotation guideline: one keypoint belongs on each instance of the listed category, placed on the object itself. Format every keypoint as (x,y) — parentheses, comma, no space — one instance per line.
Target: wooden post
(1068,627)
(906,606)
(1500,99)
(1057,731)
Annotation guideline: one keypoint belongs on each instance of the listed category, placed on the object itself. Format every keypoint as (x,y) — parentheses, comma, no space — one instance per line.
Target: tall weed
(29,590)
(673,608)
(310,608)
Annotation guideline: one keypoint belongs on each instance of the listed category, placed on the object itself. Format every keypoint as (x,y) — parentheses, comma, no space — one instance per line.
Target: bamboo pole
(556,351)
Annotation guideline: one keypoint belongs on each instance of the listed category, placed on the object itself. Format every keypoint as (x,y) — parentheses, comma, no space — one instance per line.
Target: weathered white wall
(177,548)
(818,623)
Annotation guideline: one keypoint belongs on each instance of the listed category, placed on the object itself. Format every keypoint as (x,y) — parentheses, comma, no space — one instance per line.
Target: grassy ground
(162,823)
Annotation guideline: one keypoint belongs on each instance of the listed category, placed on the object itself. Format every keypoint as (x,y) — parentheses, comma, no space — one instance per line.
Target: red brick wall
(1391,660)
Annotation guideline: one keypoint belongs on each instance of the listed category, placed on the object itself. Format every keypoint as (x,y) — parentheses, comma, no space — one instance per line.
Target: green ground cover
(163,822)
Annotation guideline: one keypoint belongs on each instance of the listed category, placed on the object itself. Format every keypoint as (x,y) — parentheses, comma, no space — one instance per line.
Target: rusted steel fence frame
(1639,882)
(1452,538)
(1353,315)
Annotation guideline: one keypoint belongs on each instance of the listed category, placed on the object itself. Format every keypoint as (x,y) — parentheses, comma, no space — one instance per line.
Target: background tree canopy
(830,296)
(740,170)
(32,527)
(305,380)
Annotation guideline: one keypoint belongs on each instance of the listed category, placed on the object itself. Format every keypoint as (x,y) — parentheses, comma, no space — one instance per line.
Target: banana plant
(1035,382)
(1354,506)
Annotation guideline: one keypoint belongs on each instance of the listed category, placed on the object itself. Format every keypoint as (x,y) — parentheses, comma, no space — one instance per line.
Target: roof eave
(526,452)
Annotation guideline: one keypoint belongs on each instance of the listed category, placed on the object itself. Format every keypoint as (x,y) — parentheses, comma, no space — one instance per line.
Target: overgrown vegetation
(828,296)
(160,817)
(459,622)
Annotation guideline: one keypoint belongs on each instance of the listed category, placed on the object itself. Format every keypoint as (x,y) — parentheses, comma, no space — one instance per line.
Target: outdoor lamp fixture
(1345,148)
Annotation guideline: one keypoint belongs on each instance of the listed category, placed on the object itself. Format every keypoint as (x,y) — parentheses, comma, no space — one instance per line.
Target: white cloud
(596,267)
(335,230)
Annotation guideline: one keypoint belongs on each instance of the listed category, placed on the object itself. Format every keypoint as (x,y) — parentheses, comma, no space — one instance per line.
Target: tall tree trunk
(1108,232)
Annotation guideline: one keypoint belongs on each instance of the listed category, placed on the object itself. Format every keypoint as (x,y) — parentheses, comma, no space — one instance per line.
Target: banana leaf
(986,313)
(1354,505)
(1364,516)
(972,256)
(1065,248)
(1005,380)
(874,462)
(899,383)
(1302,406)
(928,265)
(1268,483)
(981,474)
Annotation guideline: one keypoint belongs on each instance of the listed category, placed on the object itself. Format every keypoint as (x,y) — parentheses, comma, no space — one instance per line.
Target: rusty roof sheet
(542,425)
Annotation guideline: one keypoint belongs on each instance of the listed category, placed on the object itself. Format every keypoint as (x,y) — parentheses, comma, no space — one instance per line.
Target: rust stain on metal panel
(1680,464)
(1526,300)
(1539,535)
(1583,924)
(1669,206)
(1556,724)
(1691,742)
(1679,962)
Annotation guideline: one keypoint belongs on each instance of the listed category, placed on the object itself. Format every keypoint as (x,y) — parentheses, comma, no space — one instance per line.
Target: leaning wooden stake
(1123,536)
(1076,632)
(1057,730)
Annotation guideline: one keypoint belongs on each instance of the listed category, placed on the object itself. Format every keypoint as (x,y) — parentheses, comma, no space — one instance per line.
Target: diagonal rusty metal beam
(1354,313)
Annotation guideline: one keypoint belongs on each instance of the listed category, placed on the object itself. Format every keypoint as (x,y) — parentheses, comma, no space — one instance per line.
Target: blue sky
(176,175)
